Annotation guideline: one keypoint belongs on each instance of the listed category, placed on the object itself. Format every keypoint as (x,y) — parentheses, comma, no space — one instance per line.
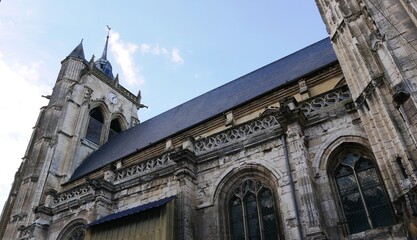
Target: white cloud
(145,48)
(176,57)
(156,50)
(20,107)
(124,56)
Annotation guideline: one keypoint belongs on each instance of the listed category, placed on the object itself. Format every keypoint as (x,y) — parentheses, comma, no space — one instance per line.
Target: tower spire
(104,55)
(102,63)
(78,51)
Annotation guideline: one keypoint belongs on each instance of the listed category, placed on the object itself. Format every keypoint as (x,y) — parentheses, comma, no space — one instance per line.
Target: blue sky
(172,51)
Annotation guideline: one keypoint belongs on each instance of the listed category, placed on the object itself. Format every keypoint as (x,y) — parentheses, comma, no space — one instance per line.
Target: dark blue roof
(103,64)
(78,52)
(132,211)
(211,104)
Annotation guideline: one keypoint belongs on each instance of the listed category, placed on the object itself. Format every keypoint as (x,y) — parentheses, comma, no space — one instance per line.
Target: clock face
(112,98)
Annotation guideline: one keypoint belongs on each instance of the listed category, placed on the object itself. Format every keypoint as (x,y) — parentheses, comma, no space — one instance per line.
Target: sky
(172,51)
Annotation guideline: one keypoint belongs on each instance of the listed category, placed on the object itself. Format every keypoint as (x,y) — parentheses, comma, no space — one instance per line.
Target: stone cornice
(368,91)
(113,83)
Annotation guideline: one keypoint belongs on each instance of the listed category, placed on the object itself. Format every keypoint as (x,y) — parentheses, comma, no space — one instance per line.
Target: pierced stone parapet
(322,101)
(235,134)
(73,194)
(143,168)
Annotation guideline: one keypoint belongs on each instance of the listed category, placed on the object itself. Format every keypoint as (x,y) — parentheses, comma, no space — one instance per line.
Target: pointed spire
(102,63)
(78,51)
(104,55)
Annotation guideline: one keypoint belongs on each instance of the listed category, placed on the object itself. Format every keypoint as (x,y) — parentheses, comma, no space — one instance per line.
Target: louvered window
(114,128)
(95,126)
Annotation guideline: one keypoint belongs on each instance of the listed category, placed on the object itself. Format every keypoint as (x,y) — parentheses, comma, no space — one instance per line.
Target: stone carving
(75,193)
(87,96)
(320,102)
(27,232)
(235,134)
(144,167)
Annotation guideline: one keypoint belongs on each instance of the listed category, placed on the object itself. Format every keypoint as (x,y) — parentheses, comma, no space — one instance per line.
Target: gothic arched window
(362,194)
(115,128)
(95,125)
(252,212)
(73,231)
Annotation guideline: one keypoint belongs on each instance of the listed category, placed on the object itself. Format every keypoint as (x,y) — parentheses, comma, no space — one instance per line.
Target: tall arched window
(252,212)
(95,125)
(362,194)
(115,128)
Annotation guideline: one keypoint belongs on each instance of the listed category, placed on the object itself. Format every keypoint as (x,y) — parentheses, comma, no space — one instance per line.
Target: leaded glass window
(75,231)
(252,213)
(78,234)
(362,194)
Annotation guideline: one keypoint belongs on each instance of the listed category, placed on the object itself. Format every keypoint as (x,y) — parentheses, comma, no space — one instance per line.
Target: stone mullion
(309,210)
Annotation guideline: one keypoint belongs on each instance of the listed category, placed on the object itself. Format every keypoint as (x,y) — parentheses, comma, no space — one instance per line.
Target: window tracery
(74,231)
(362,194)
(252,212)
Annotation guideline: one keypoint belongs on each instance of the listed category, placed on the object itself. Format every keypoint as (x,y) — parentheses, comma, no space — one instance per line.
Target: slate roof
(132,211)
(103,64)
(211,104)
(78,52)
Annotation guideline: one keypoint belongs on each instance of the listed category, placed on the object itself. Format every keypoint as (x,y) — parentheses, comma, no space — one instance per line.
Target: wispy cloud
(124,53)
(176,57)
(173,54)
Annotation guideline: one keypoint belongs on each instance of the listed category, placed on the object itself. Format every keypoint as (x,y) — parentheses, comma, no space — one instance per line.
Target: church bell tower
(87,107)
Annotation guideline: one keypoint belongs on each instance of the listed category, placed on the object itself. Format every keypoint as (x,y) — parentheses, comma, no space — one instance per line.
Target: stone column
(185,203)
(304,184)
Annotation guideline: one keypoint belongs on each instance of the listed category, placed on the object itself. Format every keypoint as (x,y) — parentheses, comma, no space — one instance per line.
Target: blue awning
(131,211)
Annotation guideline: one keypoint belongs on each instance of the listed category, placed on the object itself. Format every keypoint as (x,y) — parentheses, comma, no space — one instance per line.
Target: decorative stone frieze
(73,194)
(143,168)
(320,102)
(235,134)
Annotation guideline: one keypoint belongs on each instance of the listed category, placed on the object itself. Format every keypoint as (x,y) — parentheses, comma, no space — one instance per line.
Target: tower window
(95,125)
(252,213)
(114,128)
(362,194)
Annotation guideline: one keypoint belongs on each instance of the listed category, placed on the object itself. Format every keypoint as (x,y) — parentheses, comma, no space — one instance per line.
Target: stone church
(321,144)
